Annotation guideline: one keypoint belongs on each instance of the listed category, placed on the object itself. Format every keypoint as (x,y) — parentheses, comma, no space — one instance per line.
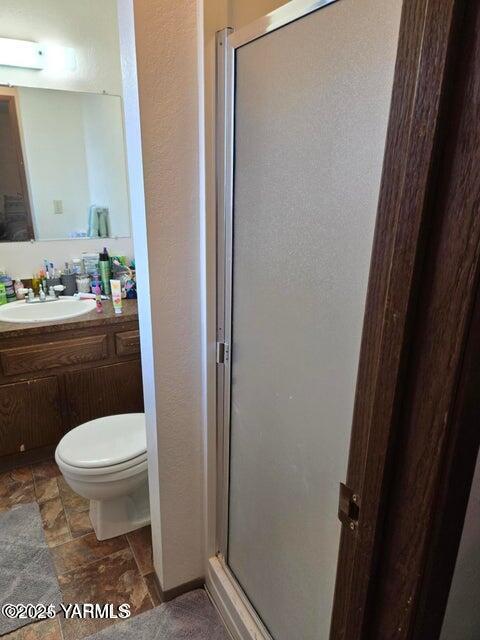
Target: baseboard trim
(238,615)
(170,594)
(15,460)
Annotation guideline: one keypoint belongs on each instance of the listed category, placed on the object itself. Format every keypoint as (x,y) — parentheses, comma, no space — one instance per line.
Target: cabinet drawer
(127,342)
(53,355)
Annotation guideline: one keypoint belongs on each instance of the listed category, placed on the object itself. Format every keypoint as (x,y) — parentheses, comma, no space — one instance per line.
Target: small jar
(83,283)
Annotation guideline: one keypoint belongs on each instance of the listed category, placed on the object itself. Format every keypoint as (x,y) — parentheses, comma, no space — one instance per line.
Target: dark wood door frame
(12,112)
(402,277)
(438,440)
(458,468)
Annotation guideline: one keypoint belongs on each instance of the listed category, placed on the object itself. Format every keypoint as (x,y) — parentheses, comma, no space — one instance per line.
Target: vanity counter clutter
(57,375)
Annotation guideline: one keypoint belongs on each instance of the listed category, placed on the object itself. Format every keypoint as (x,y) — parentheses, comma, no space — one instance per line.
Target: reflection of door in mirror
(15,215)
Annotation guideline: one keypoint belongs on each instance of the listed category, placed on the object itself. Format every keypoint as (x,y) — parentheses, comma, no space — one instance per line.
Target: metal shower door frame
(227,43)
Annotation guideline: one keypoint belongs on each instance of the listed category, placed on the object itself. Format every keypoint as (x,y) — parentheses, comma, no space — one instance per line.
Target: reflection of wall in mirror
(75,154)
(105,155)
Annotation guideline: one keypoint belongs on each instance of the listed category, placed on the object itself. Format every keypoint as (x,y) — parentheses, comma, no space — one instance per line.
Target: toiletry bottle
(98,299)
(19,289)
(90,262)
(3,294)
(9,288)
(36,283)
(105,274)
(96,282)
(116,295)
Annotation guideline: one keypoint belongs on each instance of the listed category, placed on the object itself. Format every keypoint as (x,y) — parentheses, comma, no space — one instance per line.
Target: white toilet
(105,460)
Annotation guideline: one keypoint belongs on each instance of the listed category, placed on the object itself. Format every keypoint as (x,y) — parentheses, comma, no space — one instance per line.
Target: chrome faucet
(31,299)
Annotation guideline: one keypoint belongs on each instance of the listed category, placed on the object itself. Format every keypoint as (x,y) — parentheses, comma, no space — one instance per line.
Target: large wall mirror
(62,166)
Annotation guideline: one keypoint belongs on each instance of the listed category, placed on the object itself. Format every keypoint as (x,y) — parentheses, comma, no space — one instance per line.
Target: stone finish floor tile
(46,469)
(16,487)
(79,523)
(153,589)
(114,579)
(46,489)
(111,571)
(72,502)
(77,553)
(141,544)
(54,522)
(22,474)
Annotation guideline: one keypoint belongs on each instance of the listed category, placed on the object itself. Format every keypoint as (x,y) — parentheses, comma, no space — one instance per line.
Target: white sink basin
(61,309)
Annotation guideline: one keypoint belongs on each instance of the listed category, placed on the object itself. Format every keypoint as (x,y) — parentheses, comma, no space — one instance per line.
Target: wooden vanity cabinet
(52,382)
(103,391)
(30,415)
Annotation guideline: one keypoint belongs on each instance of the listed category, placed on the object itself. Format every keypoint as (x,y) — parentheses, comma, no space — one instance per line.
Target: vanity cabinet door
(30,415)
(102,391)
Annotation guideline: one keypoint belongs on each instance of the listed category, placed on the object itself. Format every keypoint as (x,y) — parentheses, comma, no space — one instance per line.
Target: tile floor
(115,571)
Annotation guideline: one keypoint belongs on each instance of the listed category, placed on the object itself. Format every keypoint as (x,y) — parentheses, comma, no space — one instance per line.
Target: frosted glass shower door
(311,104)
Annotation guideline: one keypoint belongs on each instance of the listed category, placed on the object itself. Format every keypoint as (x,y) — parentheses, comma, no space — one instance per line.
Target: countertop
(91,319)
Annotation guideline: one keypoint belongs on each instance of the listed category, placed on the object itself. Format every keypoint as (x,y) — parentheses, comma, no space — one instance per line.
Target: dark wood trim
(12,112)
(29,457)
(421,83)
(463,440)
(170,594)
(438,405)
(462,450)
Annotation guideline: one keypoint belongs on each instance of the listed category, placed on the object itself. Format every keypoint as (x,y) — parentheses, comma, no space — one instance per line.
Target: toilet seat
(104,474)
(106,445)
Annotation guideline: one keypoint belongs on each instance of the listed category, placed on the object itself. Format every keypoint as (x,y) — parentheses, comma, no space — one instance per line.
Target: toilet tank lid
(105,441)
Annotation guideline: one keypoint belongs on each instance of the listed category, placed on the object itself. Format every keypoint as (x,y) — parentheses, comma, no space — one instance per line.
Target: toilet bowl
(105,461)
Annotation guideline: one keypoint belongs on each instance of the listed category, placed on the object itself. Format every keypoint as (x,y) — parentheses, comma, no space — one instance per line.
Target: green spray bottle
(105,273)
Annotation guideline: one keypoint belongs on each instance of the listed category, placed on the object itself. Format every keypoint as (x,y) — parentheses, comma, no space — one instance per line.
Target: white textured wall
(89,26)
(140,235)
(21,259)
(167,65)
(242,12)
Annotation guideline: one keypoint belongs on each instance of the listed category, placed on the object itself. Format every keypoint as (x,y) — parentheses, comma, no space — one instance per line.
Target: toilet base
(116,516)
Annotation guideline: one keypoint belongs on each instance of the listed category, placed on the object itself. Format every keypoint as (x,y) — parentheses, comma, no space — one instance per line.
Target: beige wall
(241,12)
(168,36)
